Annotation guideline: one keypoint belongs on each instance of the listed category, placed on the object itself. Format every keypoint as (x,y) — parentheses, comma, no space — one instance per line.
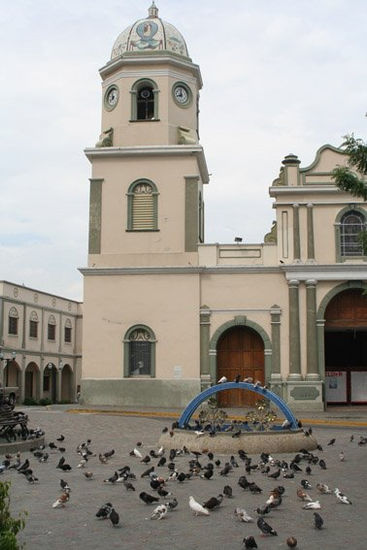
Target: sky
(280,77)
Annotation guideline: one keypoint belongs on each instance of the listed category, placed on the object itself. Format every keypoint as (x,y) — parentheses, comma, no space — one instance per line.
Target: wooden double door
(240,350)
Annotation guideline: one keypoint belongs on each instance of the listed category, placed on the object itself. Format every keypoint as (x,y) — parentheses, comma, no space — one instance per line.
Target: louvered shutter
(143,207)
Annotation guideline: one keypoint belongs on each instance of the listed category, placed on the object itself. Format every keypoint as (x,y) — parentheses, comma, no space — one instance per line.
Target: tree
(345,177)
(9,527)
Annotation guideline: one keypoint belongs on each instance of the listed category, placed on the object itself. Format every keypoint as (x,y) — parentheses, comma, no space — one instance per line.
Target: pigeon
(102,459)
(146,459)
(172,503)
(291,542)
(110,453)
(237,378)
(114,518)
(323,488)
(306,484)
(147,472)
(227,491)
(322,464)
(129,486)
(351,438)
(24,466)
(318,521)
(162,492)
(263,511)
(222,380)
(249,380)
(312,505)
(208,474)
(242,482)
(147,498)
(275,474)
(303,496)
(52,446)
(64,486)
(111,480)
(213,502)
(88,475)
(162,461)
(332,441)
(159,512)
(241,514)
(61,438)
(265,528)
(61,501)
(340,496)
(136,452)
(197,508)
(341,456)
(104,511)
(249,542)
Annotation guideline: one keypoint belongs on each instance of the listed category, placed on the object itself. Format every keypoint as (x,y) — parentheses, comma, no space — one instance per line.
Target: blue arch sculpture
(193,405)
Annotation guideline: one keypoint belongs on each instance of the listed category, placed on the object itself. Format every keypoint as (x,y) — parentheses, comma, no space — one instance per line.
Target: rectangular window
(67,334)
(13,325)
(33,329)
(51,332)
(140,354)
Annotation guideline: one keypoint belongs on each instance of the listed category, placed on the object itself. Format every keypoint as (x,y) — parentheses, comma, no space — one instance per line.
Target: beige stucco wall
(170,115)
(167,304)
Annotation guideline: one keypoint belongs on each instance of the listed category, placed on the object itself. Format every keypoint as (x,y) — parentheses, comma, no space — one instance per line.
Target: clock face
(181,94)
(111,98)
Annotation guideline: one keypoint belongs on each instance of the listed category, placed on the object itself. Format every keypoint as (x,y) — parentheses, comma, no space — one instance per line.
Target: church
(165,314)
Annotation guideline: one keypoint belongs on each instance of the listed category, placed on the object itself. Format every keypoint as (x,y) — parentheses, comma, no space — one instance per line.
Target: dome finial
(153,10)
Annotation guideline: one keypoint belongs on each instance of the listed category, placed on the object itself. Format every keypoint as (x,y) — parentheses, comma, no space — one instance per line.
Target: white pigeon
(312,505)
(323,488)
(243,515)
(197,508)
(137,453)
(222,380)
(343,498)
(159,512)
(341,456)
(61,501)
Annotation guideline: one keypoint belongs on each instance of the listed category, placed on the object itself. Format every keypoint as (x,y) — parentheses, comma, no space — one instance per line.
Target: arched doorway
(31,386)
(67,384)
(240,350)
(12,374)
(346,348)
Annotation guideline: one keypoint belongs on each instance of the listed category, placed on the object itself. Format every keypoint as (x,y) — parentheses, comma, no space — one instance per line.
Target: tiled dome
(150,35)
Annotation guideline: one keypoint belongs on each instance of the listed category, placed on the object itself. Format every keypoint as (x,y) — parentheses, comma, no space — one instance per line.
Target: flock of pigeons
(168,467)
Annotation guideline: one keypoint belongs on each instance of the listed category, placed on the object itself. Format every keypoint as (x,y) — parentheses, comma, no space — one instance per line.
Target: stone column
(58,384)
(320,323)
(312,368)
(296,236)
(22,381)
(294,332)
(204,347)
(310,234)
(275,312)
(40,381)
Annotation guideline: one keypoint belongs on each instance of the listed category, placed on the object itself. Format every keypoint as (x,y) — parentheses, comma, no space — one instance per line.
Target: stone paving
(76,524)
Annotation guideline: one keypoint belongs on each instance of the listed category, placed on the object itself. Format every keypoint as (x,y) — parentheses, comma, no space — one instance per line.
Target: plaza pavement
(76,526)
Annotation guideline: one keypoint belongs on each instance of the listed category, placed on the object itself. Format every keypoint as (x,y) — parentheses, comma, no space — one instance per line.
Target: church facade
(165,314)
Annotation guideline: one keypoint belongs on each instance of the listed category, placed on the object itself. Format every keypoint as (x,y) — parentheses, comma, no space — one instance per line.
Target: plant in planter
(262,416)
(210,414)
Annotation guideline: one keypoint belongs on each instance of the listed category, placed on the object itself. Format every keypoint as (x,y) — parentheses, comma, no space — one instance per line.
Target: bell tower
(148,168)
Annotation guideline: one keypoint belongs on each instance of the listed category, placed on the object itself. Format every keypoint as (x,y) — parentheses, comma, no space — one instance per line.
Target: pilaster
(310,234)
(294,332)
(95,216)
(296,235)
(204,347)
(312,368)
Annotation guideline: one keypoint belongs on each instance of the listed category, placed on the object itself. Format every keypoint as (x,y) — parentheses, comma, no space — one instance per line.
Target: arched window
(352,224)
(144,100)
(139,352)
(33,325)
(13,321)
(51,328)
(67,331)
(142,215)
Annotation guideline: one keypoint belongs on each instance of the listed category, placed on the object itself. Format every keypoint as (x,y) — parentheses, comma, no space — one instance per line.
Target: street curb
(173,415)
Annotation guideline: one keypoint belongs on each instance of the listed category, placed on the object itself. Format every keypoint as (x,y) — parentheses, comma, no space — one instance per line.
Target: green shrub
(9,526)
(29,401)
(45,401)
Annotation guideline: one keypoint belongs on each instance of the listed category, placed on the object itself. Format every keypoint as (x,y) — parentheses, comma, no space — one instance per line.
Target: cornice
(335,272)
(275,190)
(152,150)
(179,270)
(141,59)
